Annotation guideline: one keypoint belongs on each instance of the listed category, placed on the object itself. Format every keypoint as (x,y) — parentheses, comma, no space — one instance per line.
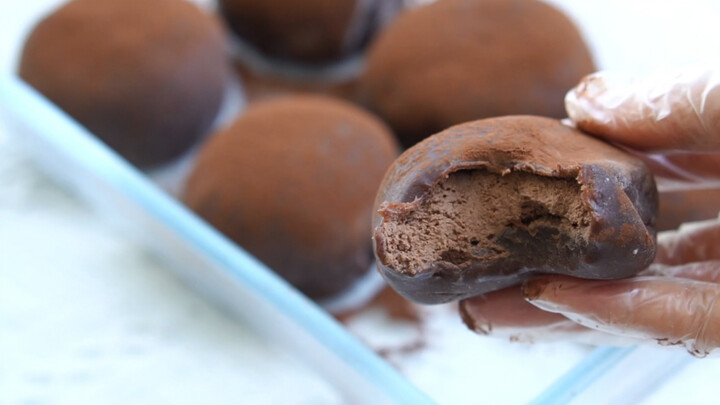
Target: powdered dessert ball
(293,182)
(145,76)
(308,31)
(484,205)
(455,61)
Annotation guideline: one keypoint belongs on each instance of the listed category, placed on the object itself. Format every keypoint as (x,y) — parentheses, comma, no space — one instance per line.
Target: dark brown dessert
(455,61)
(146,76)
(483,205)
(308,31)
(293,181)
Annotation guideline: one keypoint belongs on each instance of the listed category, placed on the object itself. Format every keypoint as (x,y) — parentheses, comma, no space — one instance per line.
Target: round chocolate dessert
(146,76)
(484,205)
(293,182)
(455,61)
(308,31)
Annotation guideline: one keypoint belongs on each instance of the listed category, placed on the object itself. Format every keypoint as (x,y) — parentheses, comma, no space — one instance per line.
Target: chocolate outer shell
(146,76)
(618,188)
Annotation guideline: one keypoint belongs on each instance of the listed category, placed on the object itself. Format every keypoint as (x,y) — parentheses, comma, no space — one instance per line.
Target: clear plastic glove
(672,119)
(673,122)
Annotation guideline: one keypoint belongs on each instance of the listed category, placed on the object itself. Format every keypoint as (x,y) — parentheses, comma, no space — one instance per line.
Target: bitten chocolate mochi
(308,31)
(483,205)
(146,76)
(455,61)
(293,181)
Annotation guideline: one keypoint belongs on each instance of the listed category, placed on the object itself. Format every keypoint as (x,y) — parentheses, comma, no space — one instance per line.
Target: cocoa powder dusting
(460,60)
(292,181)
(148,87)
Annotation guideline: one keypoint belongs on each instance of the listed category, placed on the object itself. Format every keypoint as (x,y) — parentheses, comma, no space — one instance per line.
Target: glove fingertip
(533,289)
(475,322)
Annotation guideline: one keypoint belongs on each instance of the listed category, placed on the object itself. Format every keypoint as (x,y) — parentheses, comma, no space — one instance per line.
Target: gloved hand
(673,122)
(671,117)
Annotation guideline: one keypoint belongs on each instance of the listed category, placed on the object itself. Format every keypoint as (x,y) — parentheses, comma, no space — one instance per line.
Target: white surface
(458,367)
(86,313)
(86,316)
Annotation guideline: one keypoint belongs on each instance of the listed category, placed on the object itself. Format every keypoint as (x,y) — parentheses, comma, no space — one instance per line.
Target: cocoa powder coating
(292,181)
(484,205)
(460,60)
(308,31)
(146,76)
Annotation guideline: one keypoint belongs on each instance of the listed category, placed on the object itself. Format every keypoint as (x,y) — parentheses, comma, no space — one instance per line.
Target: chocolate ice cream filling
(517,220)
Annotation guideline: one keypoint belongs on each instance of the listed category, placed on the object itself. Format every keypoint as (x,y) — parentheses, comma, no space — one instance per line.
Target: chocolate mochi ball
(455,61)
(293,182)
(308,31)
(484,205)
(145,76)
